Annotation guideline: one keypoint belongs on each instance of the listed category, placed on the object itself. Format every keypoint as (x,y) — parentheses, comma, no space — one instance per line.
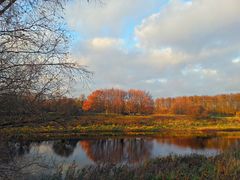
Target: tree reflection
(23,149)
(12,160)
(198,143)
(118,150)
(64,147)
(15,149)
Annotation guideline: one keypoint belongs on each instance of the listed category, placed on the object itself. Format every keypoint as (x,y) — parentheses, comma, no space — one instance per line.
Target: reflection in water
(199,143)
(64,147)
(13,161)
(118,150)
(10,150)
(121,150)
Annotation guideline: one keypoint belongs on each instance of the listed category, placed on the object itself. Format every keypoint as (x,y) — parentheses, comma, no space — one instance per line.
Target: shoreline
(114,134)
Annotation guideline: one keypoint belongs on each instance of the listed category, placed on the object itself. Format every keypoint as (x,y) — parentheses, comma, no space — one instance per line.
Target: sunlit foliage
(199,105)
(119,101)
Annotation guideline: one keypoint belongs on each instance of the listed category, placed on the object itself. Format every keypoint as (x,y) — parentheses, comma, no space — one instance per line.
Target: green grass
(119,124)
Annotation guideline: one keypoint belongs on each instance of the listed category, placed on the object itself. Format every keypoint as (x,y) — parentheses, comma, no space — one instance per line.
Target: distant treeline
(141,102)
(28,105)
(64,105)
(131,102)
(200,105)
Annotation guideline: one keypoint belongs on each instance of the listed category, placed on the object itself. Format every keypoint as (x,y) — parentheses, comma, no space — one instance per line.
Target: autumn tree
(119,101)
(95,102)
(138,101)
(114,100)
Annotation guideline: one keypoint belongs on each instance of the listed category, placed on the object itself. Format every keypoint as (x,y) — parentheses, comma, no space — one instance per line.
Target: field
(97,124)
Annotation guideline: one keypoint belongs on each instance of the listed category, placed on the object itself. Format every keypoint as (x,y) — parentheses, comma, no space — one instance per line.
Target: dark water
(127,150)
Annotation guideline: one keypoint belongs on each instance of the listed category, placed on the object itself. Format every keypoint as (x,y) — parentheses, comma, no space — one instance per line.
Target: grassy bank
(119,124)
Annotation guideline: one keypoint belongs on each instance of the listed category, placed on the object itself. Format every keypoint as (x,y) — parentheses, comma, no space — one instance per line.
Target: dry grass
(100,124)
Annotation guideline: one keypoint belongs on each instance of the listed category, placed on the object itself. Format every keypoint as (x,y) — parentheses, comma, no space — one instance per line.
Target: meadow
(56,126)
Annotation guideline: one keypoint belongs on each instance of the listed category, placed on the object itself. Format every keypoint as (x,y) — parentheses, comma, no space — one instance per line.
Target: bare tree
(34,59)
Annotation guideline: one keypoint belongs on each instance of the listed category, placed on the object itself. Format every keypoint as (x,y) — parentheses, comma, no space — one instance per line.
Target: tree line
(130,102)
(141,102)
(226,104)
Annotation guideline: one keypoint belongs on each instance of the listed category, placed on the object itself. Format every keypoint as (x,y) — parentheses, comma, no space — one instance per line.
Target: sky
(167,47)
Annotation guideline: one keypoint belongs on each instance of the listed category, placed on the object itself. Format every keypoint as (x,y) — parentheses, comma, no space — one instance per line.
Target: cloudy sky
(167,47)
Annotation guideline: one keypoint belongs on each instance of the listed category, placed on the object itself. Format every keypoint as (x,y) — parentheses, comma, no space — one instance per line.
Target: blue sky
(167,47)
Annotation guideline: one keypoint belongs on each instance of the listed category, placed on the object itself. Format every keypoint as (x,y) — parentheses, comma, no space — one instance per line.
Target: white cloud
(236,61)
(153,70)
(158,80)
(106,17)
(209,72)
(200,71)
(192,26)
(106,42)
(185,49)
(166,56)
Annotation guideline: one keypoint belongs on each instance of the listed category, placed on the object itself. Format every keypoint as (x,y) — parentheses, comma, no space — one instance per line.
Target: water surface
(122,150)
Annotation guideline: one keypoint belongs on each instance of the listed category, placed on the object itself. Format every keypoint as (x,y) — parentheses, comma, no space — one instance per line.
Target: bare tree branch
(11,2)
(34,57)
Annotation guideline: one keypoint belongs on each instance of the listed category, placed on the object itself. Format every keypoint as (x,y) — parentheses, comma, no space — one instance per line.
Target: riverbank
(101,124)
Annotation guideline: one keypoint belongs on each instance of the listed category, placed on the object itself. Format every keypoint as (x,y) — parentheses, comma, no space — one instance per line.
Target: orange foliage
(199,106)
(119,101)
